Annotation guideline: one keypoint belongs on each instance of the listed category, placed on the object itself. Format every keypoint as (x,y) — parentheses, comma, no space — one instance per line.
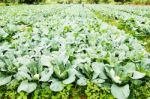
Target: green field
(74,51)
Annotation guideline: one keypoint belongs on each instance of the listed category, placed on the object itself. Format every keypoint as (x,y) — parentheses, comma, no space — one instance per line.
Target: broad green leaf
(98,69)
(69,80)
(71,77)
(45,60)
(114,77)
(148,98)
(60,73)
(4,80)
(124,47)
(130,67)
(3,33)
(23,73)
(120,92)
(147,61)
(56,85)
(137,75)
(45,75)
(27,86)
(82,81)
(63,57)
(24,60)
(2,65)
(98,81)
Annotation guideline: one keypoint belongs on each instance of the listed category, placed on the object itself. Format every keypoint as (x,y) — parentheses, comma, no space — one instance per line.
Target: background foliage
(76,1)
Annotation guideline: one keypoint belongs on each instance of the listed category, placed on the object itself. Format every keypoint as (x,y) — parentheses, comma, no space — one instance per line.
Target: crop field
(74,51)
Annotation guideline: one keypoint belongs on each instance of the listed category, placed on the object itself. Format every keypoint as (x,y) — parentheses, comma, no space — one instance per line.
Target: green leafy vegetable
(120,92)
